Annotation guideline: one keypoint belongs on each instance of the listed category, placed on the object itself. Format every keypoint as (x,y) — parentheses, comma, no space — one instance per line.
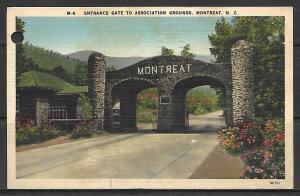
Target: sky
(120,36)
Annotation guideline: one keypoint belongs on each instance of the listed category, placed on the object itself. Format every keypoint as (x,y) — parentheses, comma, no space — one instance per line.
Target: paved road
(135,155)
(207,122)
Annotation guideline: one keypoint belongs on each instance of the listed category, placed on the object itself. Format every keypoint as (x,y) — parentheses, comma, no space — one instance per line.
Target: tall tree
(20,57)
(20,25)
(186,52)
(23,64)
(166,51)
(266,34)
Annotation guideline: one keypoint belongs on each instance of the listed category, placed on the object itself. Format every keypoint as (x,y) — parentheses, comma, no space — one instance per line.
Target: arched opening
(146,109)
(124,110)
(198,105)
(203,113)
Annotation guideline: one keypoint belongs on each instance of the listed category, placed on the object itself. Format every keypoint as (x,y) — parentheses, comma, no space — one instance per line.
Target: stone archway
(168,73)
(178,96)
(126,91)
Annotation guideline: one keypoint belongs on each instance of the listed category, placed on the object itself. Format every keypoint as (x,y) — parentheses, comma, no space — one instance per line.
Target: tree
(60,72)
(80,74)
(86,107)
(23,63)
(266,34)
(186,52)
(20,56)
(166,51)
(20,25)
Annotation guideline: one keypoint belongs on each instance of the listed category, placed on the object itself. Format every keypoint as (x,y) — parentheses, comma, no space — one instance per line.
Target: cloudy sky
(120,36)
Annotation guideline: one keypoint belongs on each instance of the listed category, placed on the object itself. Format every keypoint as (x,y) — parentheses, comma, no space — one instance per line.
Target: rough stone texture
(173,85)
(235,79)
(242,81)
(96,85)
(171,117)
(42,105)
(108,107)
(126,91)
(30,98)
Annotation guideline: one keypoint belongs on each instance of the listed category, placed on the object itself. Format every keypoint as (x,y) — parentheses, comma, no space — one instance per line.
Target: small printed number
(274,182)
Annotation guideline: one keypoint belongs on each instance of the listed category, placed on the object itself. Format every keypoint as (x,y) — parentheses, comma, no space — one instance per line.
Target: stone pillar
(108,107)
(179,112)
(128,112)
(164,117)
(42,107)
(96,69)
(228,108)
(171,116)
(242,82)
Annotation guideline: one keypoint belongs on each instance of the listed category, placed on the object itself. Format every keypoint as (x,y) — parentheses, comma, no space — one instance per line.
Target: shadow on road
(207,123)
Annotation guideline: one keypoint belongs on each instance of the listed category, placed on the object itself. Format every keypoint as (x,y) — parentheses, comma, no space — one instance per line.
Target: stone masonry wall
(42,105)
(96,86)
(242,81)
(171,116)
(236,79)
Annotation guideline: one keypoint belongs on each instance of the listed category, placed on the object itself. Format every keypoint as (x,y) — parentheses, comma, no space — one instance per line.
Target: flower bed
(32,134)
(261,148)
(240,137)
(85,129)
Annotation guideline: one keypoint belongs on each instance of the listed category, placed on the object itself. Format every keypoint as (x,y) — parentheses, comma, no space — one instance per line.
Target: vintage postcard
(150,97)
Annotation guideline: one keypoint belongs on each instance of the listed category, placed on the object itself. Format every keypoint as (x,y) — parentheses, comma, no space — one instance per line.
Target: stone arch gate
(173,76)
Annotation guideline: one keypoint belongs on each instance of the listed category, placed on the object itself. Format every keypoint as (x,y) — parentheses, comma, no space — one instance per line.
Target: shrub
(261,148)
(147,99)
(146,117)
(262,164)
(84,130)
(268,161)
(86,107)
(239,138)
(201,101)
(29,135)
(229,139)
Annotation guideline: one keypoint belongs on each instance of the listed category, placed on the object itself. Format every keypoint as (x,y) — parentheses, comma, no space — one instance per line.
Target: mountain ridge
(120,62)
(48,59)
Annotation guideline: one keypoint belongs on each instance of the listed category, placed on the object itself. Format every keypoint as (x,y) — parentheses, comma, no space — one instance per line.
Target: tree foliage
(186,52)
(29,57)
(166,51)
(201,100)
(60,72)
(23,64)
(147,98)
(86,107)
(266,34)
(81,74)
(49,59)
(20,25)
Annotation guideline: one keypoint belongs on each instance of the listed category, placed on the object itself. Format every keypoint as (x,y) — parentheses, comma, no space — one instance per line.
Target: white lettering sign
(160,69)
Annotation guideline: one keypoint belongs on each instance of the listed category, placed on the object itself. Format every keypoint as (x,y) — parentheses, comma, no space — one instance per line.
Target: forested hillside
(199,100)
(48,59)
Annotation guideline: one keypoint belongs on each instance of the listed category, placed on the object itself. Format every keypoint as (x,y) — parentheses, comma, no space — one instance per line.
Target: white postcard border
(14,183)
